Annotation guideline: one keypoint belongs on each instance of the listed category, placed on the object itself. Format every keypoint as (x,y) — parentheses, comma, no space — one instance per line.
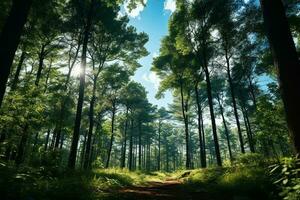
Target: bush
(251,159)
(286,175)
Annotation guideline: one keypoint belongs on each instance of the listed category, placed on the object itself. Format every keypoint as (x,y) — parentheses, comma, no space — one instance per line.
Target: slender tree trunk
(41,65)
(57,138)
(83,149)
(225,127)
(60,122)
(234,104)
(252,92)
(188,159)
(202,151)
(125,140)
(140,145)
(62,139)
(75,138)
(112,133)
(130,148)
(248,130)
(159,135)
(10,38)
(48,76)
(91,126)
(211,110)
(203,137)
(15,80)
(287,62)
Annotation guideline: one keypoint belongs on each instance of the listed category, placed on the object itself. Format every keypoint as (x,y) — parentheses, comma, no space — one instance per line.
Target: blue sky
(153,20)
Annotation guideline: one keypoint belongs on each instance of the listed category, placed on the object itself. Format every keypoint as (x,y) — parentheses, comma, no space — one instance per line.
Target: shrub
(286,175)
(251,159)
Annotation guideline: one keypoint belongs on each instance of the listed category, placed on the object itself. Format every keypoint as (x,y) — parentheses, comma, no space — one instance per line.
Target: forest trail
(166,190)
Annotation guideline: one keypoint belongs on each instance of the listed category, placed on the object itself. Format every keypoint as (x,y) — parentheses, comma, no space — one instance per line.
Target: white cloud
(170,5)
(152,78)
(135,12)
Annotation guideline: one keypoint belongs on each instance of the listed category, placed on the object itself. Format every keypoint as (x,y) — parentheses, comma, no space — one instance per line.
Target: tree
(162,115)
(287,62)
(10,38)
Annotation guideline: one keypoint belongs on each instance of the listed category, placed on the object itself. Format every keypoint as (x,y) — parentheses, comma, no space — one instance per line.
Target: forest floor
(165,190)
(227,183)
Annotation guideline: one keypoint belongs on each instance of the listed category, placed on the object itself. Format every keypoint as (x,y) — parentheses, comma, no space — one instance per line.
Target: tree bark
(130,148)
(188,159)
(41,65)
(15,80)
(73,150)
(91,126)
(202,151)
(234,104)
(211,110)
(140,145)
(159,135)
(10,39)
(248,129)
(125,140)
(112,133)
(287,62)
(225,127)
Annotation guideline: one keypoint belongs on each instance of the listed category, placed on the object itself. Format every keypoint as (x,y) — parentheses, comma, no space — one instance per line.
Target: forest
(76,124)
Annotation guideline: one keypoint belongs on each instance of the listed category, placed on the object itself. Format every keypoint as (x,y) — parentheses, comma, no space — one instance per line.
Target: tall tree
(10,38)
(287,62)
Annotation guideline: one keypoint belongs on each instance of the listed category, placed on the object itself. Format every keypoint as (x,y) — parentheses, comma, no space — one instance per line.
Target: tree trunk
(91,126)
(252,92)
(212,115)
(47,140)
(112,133)
(130,148)
(48,76)
(188,160)
(159,134)
(73,150)
(203,137)
(248,129)
(202,151)
(41,64)
(140,145)
(125,140)
(83,149)
(15,80)
(10,38)
(287,62)
(236,115)
(225,127)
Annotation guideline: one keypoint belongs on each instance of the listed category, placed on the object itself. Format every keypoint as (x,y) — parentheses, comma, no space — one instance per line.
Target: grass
(40,183)
(239,182)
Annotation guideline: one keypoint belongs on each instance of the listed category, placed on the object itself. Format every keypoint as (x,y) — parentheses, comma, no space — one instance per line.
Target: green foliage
(286,175)
(251,159)
(238,182)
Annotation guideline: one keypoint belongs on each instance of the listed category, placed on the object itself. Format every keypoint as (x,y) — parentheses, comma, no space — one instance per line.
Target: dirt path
(167,190)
